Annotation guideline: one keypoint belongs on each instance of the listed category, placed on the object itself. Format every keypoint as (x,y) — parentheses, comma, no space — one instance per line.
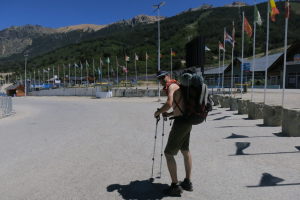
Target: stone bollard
(255,110)
(272,115)
(216,100)
(243,106)
(233,104)
(291,123)
(225,102)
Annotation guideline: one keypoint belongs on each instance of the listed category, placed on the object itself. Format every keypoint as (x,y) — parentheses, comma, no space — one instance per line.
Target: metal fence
(5,106)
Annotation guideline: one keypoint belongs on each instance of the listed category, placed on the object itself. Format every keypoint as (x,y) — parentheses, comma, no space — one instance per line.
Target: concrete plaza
(63,148)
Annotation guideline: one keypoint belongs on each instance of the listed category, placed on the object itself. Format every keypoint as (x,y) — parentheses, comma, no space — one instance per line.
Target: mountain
(17,39)
(128,37)
(236,4)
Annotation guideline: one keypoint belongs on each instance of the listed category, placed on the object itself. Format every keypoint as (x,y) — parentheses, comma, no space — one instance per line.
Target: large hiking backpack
(197,101)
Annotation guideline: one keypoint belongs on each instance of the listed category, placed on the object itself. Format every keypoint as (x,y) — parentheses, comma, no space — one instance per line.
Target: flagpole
(87,73)
(242,70)
(171,63)
(146,70)
(223,61)
(75,76)
(219,67)
(135,70)
(267,52)
(254,60)
(108,78)
(94,72)
(69,74)
(232,50)
(126,73)
(64,75)
(100,69)
(80,73)
(285,50)
(117,71)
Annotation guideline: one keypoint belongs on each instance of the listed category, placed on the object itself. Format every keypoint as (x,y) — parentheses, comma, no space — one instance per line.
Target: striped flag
(274,10)
(247,27)
(127,58)
(228,38)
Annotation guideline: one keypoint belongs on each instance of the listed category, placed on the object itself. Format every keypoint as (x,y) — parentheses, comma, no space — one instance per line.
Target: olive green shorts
(179,137)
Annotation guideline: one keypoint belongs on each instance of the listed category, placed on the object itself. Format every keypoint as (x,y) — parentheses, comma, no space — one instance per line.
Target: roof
(13,87)
(260,63)
(215,70)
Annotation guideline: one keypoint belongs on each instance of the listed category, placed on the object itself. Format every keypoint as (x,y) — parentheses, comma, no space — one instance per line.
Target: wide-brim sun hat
(161,74)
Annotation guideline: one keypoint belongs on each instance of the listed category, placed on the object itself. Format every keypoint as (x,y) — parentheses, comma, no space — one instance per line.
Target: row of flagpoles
(99,69)
(272,11)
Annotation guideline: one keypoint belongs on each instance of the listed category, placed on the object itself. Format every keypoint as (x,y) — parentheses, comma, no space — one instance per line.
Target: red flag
(221,46)
(287,9)
(247,27)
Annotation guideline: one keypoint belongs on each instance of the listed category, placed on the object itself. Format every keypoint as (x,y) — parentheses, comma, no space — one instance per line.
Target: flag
(107,60)
(147,56)
(86,63)
(127,58)
(257,17)
(136,57)
(287,9)
(228,38)
(247,27)
(101,62)
(274,10)
(45,71)
(99,71)
(173,53)
(221,46)
(75,65)
(207,49)
(125,70)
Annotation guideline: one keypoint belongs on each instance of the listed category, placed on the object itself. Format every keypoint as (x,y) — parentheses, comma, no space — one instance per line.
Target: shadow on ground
(139,190)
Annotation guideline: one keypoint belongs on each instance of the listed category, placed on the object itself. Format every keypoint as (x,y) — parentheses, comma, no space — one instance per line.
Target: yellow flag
(274,10)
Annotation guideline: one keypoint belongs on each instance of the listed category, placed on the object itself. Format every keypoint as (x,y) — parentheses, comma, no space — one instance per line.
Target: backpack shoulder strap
(204,94)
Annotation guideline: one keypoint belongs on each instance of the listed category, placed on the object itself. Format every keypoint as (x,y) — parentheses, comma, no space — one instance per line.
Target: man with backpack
(179,136)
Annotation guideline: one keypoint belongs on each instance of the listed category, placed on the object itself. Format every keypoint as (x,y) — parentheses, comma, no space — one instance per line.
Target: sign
(246,67)
(297,58)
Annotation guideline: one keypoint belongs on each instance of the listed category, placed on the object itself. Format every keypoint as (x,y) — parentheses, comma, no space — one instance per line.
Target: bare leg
(187,163)
(172,167)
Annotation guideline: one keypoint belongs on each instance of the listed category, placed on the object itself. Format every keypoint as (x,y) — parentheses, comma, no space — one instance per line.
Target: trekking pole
(157,120)
(162,144)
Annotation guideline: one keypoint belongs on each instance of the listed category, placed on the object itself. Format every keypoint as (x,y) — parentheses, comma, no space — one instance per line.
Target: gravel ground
(81,148)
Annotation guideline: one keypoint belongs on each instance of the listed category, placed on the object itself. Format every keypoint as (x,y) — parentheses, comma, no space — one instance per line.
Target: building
(275,71)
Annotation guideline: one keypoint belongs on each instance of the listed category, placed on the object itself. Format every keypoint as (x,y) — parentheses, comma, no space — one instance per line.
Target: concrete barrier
(272,115)
(233,104)
(243,106)
(224,102)
(291,123)
(255,110)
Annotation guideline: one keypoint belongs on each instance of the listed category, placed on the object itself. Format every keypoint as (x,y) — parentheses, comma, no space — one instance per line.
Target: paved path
(63,148)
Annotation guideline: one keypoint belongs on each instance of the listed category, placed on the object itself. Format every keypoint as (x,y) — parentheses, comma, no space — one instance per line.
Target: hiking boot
(174,190)
(187,185)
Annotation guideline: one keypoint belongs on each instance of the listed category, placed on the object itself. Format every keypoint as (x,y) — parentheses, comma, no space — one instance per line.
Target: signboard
(57,81)
(297,58)
(246,67)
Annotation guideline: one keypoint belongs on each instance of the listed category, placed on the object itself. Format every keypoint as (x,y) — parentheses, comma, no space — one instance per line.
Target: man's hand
(157,113)
(165,114)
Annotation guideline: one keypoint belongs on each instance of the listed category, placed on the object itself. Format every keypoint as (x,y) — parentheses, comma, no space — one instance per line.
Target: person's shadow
(139,190)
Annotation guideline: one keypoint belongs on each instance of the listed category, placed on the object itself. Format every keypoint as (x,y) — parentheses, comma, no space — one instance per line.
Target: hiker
(179,136)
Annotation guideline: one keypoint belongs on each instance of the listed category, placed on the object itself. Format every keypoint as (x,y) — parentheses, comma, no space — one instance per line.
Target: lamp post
(157,8)
(25,79)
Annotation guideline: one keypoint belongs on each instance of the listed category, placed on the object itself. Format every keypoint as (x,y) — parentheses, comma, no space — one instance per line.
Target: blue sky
(59,13)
